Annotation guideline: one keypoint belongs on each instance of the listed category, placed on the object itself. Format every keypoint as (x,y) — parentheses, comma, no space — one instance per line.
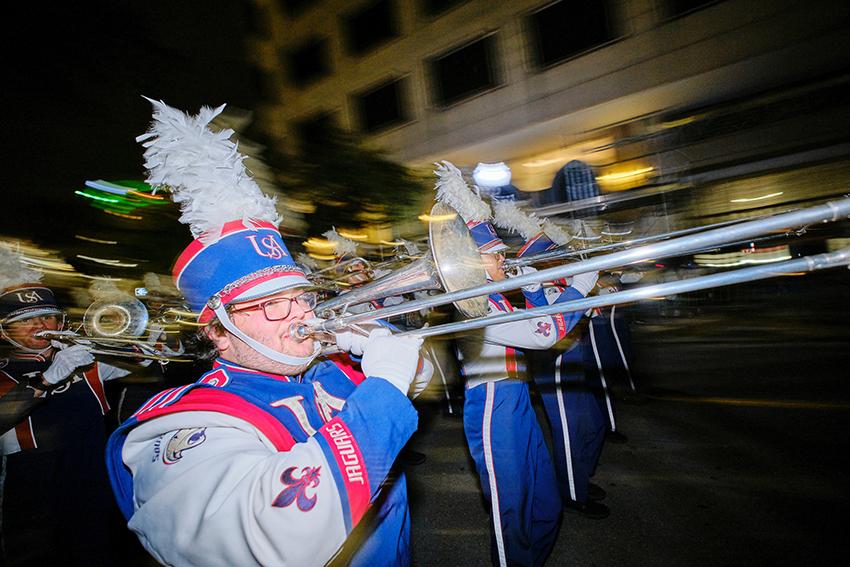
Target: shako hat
(238,254)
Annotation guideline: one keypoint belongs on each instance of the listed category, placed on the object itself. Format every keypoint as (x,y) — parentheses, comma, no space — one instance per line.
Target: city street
(737,455)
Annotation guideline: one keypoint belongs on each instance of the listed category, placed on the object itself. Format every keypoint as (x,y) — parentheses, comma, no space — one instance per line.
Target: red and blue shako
(485,236)
(247,261)
(537,244)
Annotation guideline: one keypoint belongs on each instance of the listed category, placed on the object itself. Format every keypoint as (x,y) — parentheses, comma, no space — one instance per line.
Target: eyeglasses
(280,308)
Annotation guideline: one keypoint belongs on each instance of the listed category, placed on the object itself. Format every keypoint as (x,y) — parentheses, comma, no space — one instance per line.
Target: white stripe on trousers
(562,411)
(602,378)
(491,472)
(620,348)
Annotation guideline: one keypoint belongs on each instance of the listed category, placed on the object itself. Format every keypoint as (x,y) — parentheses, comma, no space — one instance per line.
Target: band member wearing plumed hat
(52,404)
(272,457)
(502,432)
(559,374)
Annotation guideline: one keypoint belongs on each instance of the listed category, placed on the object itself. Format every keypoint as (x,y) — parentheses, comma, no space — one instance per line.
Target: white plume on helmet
(344,246)
(206,176)
(509,216)
(453,190)
(557,234)
(203,170)
(12,270)
(306,261)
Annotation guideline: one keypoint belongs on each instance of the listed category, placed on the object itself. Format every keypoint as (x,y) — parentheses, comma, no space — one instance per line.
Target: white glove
(66,361)
(355,341)
(585,282)
(395,359)
(630,277)
(422,378)
(530,288)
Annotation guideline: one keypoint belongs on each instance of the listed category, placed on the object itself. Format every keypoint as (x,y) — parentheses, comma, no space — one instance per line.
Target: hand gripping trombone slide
(831,211)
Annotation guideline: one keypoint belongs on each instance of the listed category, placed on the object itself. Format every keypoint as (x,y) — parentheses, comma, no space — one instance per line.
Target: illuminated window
(382,107)
(370,27)
(465,71)
(565,29)
(309,63)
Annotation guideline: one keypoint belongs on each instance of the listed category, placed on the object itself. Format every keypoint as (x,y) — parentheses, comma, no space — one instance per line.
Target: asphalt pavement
(737,450)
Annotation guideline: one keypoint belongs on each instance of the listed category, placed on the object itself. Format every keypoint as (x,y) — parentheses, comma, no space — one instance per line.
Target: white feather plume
(557,234)
(453,191)
(306,261)
(344,246)
(203,170)
(12,271)
(509,216)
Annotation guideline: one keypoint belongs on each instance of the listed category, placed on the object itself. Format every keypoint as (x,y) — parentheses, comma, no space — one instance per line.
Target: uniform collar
(236,369)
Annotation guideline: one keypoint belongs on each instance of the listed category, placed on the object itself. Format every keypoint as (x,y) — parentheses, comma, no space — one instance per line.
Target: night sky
(75,76)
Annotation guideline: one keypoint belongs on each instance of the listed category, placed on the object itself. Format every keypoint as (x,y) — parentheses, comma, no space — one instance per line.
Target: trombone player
(53,432)
(502,431)
(268,459)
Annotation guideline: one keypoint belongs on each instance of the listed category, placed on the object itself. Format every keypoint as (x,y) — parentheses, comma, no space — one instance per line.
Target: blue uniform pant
(382,538)
(609,357)
(515,471)
(577,424)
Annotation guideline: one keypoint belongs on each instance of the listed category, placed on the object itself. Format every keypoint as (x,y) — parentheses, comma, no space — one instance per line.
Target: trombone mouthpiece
(312,329)
(300,331)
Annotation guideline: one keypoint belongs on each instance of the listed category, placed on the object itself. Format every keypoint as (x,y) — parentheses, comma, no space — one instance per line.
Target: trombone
(830,211)
(512,264)
(452,263)
(805,264)
(115,326)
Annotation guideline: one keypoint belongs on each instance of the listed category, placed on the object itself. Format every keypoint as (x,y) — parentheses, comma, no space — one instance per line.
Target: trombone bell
(453,263)
(120,316)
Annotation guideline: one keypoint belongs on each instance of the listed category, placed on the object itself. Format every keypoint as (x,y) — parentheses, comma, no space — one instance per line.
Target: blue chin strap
(218,308)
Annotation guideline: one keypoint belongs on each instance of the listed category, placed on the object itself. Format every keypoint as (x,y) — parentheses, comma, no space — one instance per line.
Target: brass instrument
(704,239)
(120,326)
(452,263)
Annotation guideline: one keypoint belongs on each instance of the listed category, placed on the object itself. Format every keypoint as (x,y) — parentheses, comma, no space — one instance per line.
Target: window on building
(567,28)
(382,107)
(370,27)
(295,8)
(310,62)
(437,7)
(465,71)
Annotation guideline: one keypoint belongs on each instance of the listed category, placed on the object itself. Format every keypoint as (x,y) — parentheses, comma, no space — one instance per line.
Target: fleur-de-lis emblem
(296,488)
(543,328)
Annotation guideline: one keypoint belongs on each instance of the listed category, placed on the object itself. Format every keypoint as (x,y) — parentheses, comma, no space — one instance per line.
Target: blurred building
(648,92)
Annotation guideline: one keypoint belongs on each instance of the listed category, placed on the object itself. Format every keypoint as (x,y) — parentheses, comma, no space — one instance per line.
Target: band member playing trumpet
(52,405)
(271,458)
(504,437)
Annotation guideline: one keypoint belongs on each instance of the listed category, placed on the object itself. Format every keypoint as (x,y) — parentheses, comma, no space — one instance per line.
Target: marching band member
(52,404)
(502,431)
(268,459)
(566,378)
(559,374)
